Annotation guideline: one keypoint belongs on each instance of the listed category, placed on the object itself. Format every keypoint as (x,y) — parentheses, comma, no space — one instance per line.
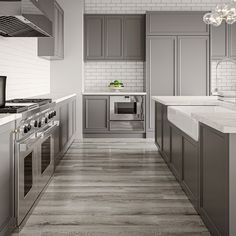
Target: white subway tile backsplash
(98,75)
(27,74)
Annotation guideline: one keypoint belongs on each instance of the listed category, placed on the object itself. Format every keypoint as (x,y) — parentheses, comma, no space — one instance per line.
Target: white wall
(67,75)
(27,74)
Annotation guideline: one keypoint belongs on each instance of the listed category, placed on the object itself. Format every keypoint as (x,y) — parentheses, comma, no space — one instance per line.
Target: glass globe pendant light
(223,12)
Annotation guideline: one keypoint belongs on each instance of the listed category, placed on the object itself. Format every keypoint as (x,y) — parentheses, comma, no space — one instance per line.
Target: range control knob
(29,127)
(35,123)
(26,129)
(40,124)
(54,113)
(50,116)
(46,120)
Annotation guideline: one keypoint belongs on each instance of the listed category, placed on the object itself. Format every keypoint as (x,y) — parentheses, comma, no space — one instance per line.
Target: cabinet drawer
(127,126)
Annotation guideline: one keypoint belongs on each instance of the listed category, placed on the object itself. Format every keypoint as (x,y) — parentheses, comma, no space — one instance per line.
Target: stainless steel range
(34,145)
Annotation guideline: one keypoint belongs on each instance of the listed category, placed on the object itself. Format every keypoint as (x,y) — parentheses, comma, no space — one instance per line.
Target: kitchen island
(204,163)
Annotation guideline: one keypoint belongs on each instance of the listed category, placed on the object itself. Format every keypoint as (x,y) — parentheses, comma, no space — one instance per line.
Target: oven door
(26,177)
(46,156)
(126,108)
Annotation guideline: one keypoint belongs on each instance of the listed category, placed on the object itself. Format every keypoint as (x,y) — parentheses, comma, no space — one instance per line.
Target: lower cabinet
(158,125)
(191,170)
(176,153)
(96,114)
(6,179)
(63,136)
(214,198)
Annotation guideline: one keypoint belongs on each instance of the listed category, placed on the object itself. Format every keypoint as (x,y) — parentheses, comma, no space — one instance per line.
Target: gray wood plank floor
(113,187)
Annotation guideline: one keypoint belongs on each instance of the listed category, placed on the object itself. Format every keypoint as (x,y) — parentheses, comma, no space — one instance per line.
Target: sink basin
(181,117)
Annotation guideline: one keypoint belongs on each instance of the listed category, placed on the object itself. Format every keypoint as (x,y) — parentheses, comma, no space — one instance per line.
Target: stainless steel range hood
(24,18)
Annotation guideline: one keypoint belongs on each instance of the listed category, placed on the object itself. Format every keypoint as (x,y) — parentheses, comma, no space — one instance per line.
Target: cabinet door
(7,178)
(96,113)
(114,37)
(59,32)
(64,109)
(191,169)
(193,65)
(94,37)
(214,197)
(158,125)
(176,153)
(219,41)
(134,37)
(176,23)
(166,135)
(160,70)
(232,41)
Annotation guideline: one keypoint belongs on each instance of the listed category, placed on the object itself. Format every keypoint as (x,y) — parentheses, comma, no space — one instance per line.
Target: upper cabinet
(223,40)
(176,23)
(114,37)
(134,37)
(53,48)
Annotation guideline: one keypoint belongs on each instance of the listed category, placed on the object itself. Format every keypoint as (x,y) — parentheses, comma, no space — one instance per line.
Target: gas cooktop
(21,105)
(39,101)
(13,109)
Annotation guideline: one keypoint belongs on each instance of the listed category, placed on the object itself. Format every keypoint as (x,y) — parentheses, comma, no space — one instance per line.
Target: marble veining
(113,187)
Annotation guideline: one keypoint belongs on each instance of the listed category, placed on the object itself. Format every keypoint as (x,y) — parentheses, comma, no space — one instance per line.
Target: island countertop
(187,100)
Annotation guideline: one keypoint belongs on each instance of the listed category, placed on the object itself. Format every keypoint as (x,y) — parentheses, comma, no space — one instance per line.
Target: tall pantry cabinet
(177,57)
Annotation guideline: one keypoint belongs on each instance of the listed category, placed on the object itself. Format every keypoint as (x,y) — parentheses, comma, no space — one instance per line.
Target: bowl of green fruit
(116,85)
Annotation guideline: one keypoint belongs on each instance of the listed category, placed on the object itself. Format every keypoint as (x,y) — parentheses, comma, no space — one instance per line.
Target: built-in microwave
(127,108)
(127,113)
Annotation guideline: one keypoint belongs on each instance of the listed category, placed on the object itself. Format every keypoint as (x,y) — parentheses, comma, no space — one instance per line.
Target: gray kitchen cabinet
(160,71)
(176,23)
(113,37)
(232,41)
(223,39)
(191,170)
(53,48)
(176,153)
(134,37)
(214,196)
(94,37)
(175,65)
(65,134)
(162,131)
(158,124)
(166,138)
(219,41)
(64,124)
(6,179)
(193,65)
(96,112)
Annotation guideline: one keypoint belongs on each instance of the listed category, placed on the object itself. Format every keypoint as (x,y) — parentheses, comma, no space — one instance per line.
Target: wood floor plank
(113,187)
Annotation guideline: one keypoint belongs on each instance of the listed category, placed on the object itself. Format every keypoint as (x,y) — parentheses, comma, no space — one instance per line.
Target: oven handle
(26,144)
(49,130)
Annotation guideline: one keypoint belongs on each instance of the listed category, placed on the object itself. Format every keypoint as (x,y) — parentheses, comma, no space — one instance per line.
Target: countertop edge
(113,93)
(64,98)
(9,118)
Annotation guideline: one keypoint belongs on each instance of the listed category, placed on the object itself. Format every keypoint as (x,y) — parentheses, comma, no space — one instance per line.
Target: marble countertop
(224,122)
(6,118)
(114,93)
(187,100)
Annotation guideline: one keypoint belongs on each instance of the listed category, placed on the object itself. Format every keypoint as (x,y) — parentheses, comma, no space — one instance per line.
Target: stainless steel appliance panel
(126,108)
